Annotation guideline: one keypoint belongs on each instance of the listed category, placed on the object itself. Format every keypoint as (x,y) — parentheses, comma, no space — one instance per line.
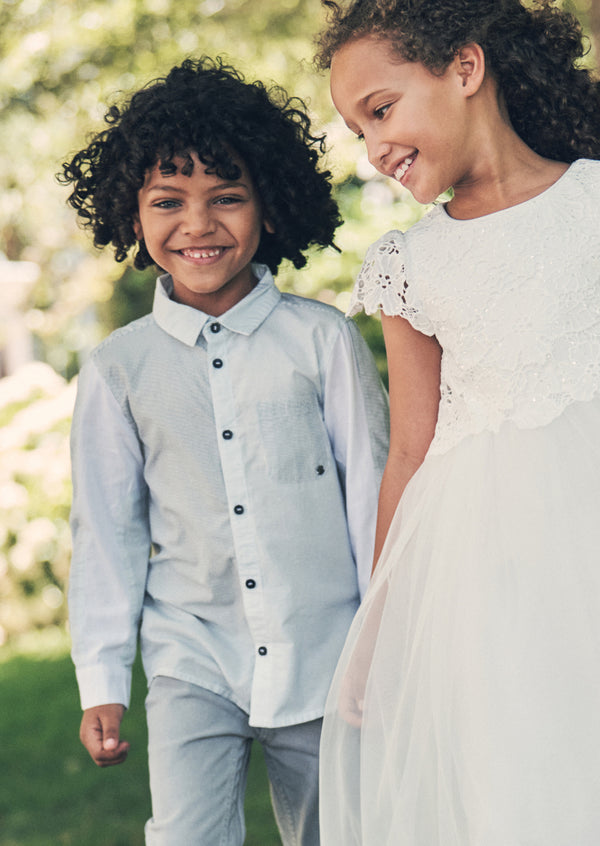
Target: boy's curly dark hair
(532,52)
(206,107)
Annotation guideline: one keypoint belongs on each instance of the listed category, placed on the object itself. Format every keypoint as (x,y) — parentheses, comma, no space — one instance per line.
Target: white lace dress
(476,653)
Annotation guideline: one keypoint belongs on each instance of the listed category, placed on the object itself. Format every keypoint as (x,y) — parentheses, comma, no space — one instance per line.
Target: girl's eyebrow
(364,101)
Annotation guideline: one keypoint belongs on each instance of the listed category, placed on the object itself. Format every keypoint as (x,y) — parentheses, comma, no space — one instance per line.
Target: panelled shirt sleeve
(357,419)
(111,542)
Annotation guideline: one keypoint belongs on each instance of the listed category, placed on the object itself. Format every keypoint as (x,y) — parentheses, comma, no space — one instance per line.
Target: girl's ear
(470,66)
(269,226)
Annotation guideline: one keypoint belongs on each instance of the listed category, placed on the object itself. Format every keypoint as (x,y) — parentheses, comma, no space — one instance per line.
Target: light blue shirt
(226,473)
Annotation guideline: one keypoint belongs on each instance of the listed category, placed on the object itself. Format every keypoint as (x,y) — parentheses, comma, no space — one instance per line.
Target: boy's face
(204,231)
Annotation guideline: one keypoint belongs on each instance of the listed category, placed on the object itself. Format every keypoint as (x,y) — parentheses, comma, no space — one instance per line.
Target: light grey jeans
(199,749)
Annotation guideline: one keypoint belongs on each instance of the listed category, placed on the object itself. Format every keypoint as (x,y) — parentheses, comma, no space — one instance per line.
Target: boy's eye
(228,200)
(166,204)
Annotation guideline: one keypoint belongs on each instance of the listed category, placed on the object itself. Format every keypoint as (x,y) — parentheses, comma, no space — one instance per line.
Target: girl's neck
(507,174)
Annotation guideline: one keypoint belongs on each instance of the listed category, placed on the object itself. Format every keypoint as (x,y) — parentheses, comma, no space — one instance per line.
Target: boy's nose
(198,220)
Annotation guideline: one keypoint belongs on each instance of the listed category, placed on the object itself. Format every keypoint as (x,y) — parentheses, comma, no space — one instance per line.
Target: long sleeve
(111,542)
(357,419)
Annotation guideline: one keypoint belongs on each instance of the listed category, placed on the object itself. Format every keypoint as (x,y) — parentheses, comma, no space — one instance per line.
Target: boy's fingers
(110,721)
(110,757)
(100,734)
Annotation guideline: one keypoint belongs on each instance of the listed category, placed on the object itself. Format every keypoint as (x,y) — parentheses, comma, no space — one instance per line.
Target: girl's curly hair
(206,107)
(532,53)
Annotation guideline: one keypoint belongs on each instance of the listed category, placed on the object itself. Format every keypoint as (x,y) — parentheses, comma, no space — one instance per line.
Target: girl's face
(413,122)
(204,231)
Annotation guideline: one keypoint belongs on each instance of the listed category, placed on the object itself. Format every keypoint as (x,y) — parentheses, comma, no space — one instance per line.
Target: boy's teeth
(197,254)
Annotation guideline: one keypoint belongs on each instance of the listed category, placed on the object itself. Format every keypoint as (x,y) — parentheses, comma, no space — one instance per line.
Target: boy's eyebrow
(168,186)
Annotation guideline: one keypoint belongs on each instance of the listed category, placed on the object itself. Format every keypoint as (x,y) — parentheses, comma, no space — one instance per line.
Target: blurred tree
(595,26)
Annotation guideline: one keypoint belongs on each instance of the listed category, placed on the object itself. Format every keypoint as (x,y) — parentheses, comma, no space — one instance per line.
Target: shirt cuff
(103,685)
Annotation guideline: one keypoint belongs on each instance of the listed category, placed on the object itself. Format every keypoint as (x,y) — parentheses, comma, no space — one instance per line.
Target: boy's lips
(404,165)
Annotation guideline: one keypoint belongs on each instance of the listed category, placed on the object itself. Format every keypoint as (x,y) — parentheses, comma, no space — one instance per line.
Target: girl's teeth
(401,170)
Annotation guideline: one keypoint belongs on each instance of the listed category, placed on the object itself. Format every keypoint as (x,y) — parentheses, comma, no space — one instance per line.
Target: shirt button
(215,327)
(262,650)
(250,583)
(239,509)
(320,470)
(217,362)
(227,434)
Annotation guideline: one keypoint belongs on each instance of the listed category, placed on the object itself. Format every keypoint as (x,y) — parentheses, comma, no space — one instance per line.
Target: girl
(465,708)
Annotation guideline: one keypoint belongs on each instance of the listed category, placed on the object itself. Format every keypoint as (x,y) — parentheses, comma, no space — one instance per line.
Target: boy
(227,452)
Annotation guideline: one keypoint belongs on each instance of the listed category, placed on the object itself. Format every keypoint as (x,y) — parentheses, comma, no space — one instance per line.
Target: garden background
(62,63)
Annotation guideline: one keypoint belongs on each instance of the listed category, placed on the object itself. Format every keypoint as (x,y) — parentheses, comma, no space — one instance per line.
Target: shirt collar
(186,323)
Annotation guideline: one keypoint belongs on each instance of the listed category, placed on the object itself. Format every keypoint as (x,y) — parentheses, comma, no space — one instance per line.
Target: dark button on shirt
(227,434)
(217,362)
(250,583)
(262,650)
(239,509)
(215,327)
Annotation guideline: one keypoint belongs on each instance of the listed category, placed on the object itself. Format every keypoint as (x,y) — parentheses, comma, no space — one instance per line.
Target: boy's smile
(204,231)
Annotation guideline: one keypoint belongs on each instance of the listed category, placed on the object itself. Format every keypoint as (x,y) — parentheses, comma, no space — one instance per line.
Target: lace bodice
(512,297)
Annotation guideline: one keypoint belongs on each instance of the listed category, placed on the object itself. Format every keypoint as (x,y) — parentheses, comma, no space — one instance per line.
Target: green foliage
(35,496)
(131,298)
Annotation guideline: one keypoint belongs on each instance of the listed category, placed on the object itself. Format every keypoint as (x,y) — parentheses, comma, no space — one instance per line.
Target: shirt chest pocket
(294,440)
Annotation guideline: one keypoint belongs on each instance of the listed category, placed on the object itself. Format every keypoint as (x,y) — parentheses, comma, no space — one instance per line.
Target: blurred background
(62,63)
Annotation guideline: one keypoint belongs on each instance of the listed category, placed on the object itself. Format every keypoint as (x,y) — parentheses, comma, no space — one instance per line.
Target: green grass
(51,794)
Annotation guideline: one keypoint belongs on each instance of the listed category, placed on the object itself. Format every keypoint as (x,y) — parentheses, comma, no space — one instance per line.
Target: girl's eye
(380,112)
(166,204)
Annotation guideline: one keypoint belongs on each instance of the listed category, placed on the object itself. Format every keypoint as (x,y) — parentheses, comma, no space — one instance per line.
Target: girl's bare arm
(414,362)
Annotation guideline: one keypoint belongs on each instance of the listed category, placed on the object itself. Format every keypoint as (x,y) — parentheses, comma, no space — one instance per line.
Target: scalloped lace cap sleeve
(382,284)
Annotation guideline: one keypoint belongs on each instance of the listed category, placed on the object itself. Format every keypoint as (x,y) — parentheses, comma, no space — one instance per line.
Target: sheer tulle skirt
(465,710)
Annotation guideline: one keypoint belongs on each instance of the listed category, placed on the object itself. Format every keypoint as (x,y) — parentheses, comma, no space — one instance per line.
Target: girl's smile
(204,231)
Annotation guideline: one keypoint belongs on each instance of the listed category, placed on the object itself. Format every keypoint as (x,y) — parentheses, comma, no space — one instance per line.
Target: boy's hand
(99,733)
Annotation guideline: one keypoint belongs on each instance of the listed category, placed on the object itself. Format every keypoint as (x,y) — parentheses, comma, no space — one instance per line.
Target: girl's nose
(377,151)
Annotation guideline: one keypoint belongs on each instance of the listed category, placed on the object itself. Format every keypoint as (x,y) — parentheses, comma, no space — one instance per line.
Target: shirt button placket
(220,344)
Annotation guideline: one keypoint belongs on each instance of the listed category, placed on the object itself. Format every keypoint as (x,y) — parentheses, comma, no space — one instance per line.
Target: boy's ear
(470,66)
(269,226)
(137,228)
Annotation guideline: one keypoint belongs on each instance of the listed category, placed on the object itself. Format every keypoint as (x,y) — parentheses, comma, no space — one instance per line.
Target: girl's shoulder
(586,172)
(381,275)
(382,283)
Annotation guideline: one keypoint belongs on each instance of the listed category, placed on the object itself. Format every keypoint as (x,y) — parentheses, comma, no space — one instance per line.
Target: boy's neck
(216,303)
